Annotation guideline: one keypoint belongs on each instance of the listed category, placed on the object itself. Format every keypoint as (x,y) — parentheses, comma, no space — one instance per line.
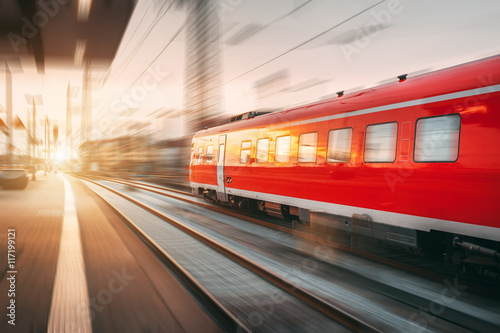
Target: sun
(61,156)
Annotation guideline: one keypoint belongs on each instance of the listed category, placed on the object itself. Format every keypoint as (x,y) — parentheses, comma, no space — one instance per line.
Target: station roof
(62,32)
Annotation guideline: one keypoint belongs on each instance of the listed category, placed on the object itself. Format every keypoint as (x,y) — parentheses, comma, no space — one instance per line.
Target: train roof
(479,73)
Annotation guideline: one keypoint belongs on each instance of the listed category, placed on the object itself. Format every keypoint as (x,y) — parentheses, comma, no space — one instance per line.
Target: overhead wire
(160,15)
(179,30)
(138,25)
(159,54)
(162,12)
(304,42)
(257,30)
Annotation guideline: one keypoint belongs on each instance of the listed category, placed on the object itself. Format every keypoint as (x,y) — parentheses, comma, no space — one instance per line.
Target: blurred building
(272,91)
(20,153)
(203,63)
(123,154)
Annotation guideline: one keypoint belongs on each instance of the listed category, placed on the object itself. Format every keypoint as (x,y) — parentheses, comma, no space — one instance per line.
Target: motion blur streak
(69,311)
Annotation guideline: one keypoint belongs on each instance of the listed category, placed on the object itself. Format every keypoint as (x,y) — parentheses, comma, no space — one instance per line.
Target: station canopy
(61,33)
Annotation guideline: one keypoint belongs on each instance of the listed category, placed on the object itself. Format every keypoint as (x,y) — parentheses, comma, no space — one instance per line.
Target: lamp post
(33,100)
(47,145)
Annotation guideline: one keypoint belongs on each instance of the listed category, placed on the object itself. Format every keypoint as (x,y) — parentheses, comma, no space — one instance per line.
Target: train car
(414,162)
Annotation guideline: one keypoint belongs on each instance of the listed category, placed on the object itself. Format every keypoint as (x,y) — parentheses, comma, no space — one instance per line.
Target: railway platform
(69,264)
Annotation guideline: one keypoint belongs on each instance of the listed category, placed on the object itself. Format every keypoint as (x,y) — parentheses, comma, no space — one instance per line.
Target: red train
(415,162)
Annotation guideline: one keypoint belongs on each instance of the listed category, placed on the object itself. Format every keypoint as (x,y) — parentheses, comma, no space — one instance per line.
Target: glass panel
(245,151)
(307,147)
(262,150)
(221,154)
(380,143)
(283,148)
(210,154)
(339,145)
(437,139)
(200,155)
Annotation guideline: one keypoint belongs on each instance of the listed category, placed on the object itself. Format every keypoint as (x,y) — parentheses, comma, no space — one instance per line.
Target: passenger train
(415,162)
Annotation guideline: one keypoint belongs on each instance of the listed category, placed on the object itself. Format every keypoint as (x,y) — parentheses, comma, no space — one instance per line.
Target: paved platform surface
(128,289)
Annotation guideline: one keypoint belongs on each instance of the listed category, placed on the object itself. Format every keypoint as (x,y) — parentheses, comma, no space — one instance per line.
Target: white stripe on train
(396,219)
(390,218)
(421,101)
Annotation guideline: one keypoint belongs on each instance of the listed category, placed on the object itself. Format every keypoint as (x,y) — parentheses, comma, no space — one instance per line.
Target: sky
(314,47)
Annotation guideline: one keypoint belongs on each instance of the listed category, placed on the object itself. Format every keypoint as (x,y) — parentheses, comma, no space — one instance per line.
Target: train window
(246,148)
(262,150)
(283,148)
(308,145)
(200,155)
(339,145)
(380,142)
(222,153)
(437,139)
(210,154)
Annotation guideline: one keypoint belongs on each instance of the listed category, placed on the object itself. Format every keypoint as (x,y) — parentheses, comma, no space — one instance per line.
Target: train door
(221,188)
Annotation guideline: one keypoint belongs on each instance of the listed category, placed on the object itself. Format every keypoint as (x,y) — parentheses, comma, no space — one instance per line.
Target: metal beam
(34,44)
(8,107)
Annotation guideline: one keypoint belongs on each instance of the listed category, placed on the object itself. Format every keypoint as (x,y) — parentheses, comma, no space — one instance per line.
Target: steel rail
(450,314)
(300,234)
(225,318)
(332,311)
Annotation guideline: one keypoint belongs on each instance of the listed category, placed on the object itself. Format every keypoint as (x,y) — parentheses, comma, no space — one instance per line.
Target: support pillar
(35,141)
(203,64)
(8,119)
(86,115)
(69,124)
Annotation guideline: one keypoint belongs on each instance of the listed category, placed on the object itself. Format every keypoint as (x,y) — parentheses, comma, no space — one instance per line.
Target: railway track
(412,263)
(329,304)
(338,317)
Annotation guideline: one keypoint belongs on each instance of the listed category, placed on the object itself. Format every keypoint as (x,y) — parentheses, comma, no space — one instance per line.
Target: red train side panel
(459,196)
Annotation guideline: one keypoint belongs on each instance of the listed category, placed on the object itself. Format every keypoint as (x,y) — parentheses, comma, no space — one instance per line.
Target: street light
(34,100)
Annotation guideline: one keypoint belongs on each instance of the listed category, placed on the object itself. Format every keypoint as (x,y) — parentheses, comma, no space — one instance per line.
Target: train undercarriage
(458,252)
